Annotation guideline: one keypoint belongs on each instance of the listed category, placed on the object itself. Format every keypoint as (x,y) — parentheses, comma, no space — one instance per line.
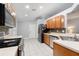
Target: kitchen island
(65,48)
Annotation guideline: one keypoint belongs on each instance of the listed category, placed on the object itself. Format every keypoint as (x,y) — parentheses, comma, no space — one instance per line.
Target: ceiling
(34,12)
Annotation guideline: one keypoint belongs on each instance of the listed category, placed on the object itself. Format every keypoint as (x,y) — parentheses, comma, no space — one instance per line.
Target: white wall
(27,29)
(32,30)
(22,29)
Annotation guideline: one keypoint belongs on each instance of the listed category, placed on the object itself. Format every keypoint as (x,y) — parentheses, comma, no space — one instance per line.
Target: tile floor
(32,47)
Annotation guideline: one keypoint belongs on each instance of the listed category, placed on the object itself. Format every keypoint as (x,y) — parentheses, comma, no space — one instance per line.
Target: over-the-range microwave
(6,19)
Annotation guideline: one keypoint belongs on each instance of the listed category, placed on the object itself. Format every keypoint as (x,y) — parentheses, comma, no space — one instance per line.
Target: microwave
(6,19)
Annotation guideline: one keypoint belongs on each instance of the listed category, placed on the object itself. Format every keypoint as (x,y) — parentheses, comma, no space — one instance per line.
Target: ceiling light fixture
(27,6)
(41,7)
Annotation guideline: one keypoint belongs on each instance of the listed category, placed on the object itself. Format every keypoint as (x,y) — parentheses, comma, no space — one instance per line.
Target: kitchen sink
(9,42)
(69,38)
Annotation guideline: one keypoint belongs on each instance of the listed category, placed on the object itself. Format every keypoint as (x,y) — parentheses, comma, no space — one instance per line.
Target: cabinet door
(62,21)
(48,24)
(58,22)
(46,39)
(53,23)
(58,50)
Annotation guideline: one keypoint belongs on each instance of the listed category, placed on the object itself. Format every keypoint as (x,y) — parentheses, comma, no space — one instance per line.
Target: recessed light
(27,6)
(26,15)
(41,7)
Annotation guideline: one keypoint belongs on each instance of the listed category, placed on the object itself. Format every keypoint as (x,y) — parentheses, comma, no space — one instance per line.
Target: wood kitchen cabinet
(59,21)
(46,39)
(62,21)
(51,23)
(56,22)
(48,24)
(59,50)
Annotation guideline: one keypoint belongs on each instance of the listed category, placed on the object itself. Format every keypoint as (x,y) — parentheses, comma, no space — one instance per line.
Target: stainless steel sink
(69,38)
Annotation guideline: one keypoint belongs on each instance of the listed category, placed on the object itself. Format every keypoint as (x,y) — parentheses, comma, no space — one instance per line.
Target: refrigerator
(41,31)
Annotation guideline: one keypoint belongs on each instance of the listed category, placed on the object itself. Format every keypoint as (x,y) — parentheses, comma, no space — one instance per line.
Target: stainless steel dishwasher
(52,37)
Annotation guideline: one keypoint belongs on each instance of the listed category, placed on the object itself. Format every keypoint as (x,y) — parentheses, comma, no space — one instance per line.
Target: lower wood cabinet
(59,50)
(46,39)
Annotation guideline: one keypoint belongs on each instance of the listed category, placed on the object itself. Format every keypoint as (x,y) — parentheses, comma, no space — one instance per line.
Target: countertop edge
(70,48)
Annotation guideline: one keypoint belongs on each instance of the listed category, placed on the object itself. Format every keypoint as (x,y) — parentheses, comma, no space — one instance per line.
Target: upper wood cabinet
(48,24)
(55,23)
(58,22)
(62,21)
(51,23)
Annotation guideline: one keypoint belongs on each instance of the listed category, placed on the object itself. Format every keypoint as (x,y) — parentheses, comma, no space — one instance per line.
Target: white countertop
(72,45)
(61,34)
(9,51)
(11,36)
